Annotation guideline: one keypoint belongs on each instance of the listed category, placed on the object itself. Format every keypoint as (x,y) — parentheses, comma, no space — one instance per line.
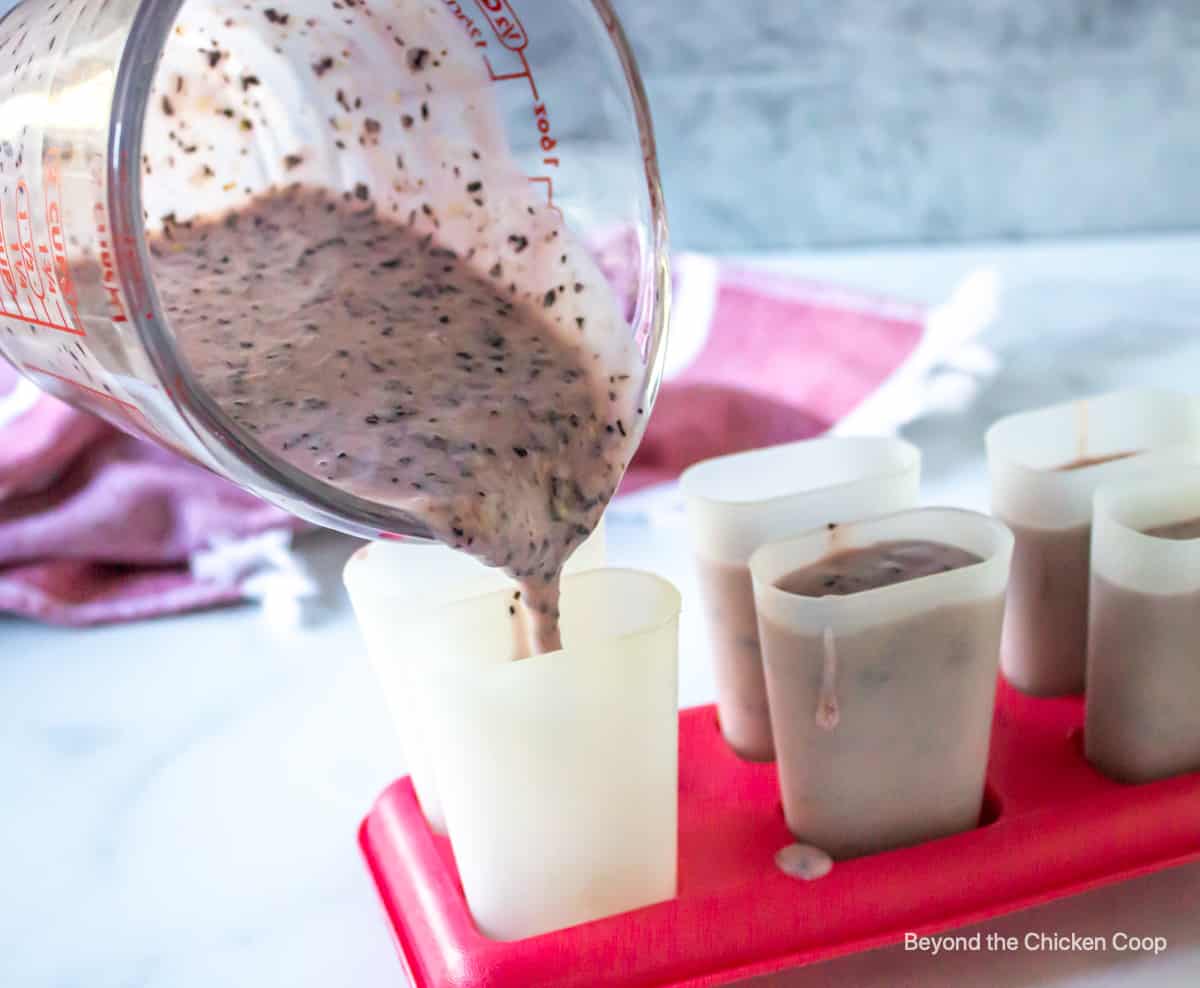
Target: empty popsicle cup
(391,581)
(558,774)
(739,502)
(1143,675)
(1045,467)
(881,642)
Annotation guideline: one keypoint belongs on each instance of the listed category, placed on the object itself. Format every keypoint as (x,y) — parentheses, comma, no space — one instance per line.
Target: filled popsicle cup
(1045,468)
(739,502)
(1143,677)
(389,583)
(558,774)
(881,644)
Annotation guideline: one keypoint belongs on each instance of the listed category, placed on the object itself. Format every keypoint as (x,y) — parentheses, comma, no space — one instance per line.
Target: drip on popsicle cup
(558,774)
(739,502)
(391,580)
(1143,675)
(882,699)
(1045,467)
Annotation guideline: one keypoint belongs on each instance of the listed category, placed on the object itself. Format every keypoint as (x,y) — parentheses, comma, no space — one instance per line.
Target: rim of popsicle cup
(460,608)
(1122,550)
(1027,450)
(729,516)
(983,535)
(361,583)
(693,480)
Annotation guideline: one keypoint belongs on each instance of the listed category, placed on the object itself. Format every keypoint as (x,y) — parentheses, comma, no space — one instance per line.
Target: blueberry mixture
(360,351)
(881,565)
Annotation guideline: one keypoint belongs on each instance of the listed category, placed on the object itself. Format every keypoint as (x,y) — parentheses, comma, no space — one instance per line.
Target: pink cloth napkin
(96,526)
(770,360)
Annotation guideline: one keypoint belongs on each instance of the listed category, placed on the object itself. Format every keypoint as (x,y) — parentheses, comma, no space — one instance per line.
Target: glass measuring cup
(89,127)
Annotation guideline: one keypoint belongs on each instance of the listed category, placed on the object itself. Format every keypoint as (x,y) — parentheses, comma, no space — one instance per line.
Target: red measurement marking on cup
(8,280)
(505,23)
(502,76)
(548,143)
(468,22)
(127,405)
(27,263)
(507,63)
(549,183)
(29,287)
(108,266)
(62,284)
(143,423)
(106,249)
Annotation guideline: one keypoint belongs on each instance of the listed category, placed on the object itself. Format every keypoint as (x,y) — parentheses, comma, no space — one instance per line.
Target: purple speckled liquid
(870,568)
(374,292)
(370,357)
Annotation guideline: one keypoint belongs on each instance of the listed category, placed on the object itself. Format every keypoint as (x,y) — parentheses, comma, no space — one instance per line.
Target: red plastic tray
(1052,827)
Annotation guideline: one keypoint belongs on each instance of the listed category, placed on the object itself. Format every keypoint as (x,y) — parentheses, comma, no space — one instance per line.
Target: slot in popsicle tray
(1052,826)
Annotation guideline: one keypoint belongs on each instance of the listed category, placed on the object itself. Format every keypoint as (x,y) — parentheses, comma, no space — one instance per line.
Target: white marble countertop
(180,797)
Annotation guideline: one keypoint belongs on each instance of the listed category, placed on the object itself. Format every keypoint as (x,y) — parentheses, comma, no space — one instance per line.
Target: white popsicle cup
(1049,510)
(391,581)
(1144,642)
(739,502)
(882,700)
(558,774)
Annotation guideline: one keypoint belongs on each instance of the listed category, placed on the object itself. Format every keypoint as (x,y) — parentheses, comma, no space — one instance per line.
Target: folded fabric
(97,526)
(758,359)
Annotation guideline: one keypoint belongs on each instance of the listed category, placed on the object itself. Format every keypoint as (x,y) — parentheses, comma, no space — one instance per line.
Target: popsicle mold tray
(1052,826)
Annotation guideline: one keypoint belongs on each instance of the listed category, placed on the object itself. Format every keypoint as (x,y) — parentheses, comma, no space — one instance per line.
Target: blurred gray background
(784,123)
(794,123)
